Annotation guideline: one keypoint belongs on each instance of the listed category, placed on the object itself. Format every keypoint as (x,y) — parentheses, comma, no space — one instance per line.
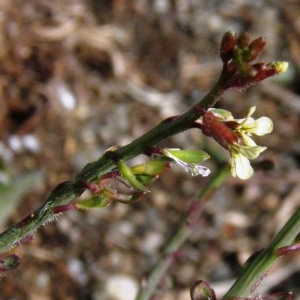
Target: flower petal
(251,111)
(193,169)
(240,166)
(259,127)
(247,140)
(250,152)
(200,170)
(263,126)
(248,118)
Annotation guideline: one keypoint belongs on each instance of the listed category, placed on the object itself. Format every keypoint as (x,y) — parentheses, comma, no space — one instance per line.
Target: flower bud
(280,66)
(243,40)
(256,47)
(227,46)
(9,262)
(127,173)
(267,70)
(220,132)
(202,291)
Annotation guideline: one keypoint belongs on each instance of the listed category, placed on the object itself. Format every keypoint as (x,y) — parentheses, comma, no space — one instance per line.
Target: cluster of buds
(239,71)
(237,54)
(137,178)
(134,180)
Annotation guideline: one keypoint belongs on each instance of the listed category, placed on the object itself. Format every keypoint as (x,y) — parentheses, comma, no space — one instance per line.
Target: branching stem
(235,73)
(69,191)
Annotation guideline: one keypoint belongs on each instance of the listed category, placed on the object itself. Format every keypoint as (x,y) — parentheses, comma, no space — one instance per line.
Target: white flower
(249,126)
(245,149)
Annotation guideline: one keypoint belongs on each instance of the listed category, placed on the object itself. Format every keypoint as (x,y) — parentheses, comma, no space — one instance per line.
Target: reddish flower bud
(243,40)
(267,70)
(227,46)
(256,47)
(254,74)
(211,126)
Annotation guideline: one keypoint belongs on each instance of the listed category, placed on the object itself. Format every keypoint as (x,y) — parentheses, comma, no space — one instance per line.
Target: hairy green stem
(255,269)
(183,232)
(66,193)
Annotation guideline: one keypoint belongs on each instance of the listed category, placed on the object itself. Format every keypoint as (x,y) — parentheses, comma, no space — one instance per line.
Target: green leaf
(189,156)
(152,167)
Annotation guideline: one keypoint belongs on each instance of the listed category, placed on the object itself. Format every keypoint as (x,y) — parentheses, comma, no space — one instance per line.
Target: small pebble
(121,287)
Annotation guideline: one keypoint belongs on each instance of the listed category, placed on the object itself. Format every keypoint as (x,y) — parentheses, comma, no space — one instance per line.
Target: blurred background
(80,76)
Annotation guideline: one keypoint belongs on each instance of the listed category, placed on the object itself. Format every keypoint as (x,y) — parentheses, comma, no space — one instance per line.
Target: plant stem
(254,271)
(183,232)
(93,171)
